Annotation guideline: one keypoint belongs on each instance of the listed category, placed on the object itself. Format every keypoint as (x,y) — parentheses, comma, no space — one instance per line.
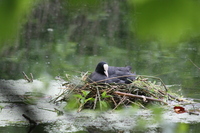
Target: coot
(110,74)
(100,73)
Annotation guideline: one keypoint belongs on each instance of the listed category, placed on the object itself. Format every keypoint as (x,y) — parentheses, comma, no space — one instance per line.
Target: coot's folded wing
(121,74)
(95,77)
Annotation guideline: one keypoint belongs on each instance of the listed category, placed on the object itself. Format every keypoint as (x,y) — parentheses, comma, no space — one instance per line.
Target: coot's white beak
(105,66)
(106,73)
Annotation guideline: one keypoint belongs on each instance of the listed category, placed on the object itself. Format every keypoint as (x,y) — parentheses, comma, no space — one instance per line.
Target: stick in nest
(138,96)
(121,101)
(27,78)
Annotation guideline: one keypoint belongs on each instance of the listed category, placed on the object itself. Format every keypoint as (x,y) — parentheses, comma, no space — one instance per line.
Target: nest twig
(27,78)
(99,96)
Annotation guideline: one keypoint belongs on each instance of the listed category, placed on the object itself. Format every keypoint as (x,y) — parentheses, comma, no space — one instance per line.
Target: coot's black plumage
(120,75)
(100,73)
(110,74)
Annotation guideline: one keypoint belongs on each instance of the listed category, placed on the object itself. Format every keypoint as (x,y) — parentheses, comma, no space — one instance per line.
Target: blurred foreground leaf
(167,21)
(12,16)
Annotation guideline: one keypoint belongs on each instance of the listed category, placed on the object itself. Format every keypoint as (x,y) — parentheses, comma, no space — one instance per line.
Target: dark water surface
(45,128)
(23,129)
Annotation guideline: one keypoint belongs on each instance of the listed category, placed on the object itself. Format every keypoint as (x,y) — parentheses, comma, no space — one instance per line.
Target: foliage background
(59,37)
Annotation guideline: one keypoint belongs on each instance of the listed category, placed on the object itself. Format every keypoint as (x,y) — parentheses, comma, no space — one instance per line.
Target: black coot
(100,73)
(121,75)
(110,74)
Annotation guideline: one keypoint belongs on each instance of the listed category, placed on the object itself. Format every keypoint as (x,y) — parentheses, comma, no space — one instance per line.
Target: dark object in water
(110,74)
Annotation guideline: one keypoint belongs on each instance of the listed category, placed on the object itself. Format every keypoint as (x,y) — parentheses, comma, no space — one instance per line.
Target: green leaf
(89,99)
(104,104)
(78,95)
(73,103)
(85,93)
(104,95)
(83,101)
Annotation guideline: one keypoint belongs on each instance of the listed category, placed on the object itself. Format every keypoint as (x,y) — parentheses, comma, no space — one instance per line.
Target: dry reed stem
(138,96)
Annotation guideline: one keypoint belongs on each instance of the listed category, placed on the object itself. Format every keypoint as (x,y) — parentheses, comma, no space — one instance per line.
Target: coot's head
(102,68)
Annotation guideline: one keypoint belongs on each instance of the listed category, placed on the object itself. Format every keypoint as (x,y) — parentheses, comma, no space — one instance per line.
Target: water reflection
(24,129)
(50,128)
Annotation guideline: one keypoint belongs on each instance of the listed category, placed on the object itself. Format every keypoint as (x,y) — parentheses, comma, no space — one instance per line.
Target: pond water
(24,129)
(49,128)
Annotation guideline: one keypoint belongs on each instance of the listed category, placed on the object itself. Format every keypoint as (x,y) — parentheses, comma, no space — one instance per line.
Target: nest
(140,92)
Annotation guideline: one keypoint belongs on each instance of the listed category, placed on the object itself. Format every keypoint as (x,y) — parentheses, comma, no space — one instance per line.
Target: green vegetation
(62,37)
(168,21)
